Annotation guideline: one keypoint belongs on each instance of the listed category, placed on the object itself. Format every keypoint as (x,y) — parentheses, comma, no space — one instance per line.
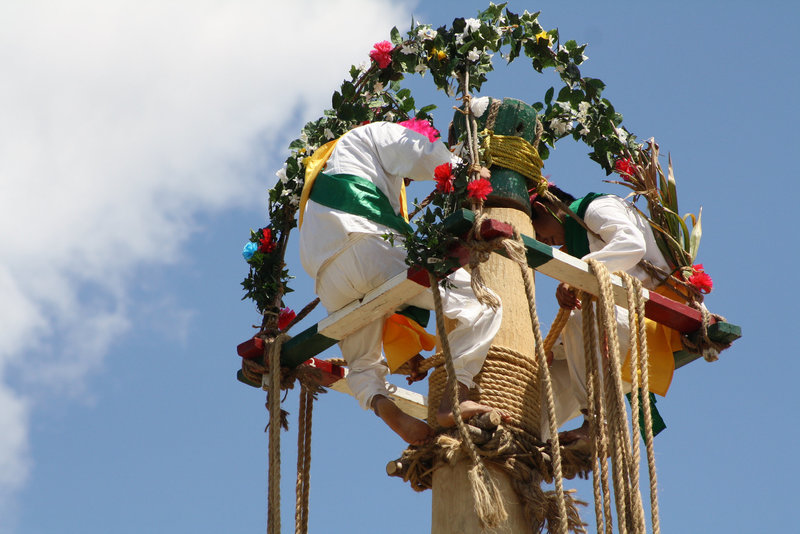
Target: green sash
(575,236)
(358,196)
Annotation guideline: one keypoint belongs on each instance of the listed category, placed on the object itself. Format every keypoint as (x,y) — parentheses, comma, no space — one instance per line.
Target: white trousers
(367,262)
(568,371)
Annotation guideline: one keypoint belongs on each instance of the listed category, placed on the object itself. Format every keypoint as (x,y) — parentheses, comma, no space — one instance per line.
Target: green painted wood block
(244,380)
(303,346)
(721,332)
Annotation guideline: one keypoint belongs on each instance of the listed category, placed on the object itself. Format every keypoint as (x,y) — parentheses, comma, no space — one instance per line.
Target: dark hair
(563,196)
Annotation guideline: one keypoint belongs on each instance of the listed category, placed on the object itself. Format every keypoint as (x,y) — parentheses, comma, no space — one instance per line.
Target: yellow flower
(543,35)
(438,54)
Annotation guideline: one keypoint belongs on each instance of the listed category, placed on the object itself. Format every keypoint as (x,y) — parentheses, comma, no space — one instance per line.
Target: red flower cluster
(479,189)
(382,53)
(444,178)
(285,317)
(626,168)
(266,244)
(700,279)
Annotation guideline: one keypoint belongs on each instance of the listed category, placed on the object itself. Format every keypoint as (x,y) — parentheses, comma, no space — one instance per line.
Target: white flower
(459,39)
(478,106)
(378,87)
(559,68)
(364,66)
(583,112)
(560,127)
(409,48)
(295,200)
(329,134)
(623,135)
(389,116)
(473,25)
(421,68)
(474,55)
(425,33)
(281,174)
(584,131)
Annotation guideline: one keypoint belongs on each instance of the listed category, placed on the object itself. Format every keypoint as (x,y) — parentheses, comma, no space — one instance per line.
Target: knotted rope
(488,502)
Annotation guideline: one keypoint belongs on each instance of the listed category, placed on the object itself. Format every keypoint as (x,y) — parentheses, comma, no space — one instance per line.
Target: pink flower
(266,244)
(626,168)
(479,189)
(381,53)
(423,127)
(285,317)
(444,178)
(700,279)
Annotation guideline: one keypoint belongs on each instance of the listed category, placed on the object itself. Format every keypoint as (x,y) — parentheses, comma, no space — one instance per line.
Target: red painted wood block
(329,372)
(251,349)
(673,314)
(419,275)
(492,229)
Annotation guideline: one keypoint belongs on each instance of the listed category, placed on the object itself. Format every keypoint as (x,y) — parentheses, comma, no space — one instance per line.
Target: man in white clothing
(350,207)
(622,238)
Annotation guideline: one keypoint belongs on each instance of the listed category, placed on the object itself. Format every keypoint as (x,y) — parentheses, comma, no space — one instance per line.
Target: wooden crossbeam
(400,289)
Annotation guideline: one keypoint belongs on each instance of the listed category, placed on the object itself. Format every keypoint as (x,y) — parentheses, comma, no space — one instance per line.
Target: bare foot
(577,434)
(444,416)
(412,430)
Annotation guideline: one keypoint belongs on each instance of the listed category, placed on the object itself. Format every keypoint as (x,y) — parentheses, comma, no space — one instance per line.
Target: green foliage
(450,56)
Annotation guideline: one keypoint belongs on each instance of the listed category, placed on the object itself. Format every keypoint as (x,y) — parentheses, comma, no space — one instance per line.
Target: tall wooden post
(452,510)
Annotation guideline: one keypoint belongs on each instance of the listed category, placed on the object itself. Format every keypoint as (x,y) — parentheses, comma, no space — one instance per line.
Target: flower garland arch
(464,51)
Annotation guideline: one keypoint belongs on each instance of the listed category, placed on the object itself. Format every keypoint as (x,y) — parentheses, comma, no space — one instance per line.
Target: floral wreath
(458,59)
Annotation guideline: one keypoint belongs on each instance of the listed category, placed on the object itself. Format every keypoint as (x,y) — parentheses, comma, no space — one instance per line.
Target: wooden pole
(452,509)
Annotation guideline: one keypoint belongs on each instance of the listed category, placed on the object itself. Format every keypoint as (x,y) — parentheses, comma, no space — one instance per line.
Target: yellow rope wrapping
(514,153)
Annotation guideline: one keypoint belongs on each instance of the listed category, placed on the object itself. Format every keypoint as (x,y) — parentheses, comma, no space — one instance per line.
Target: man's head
(548,218)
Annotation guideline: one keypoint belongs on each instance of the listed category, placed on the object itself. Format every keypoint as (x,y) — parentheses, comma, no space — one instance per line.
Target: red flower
(479,189)
(382,53)
(444,178)
(700,279)
(285,317)
(266,244)
(626,168)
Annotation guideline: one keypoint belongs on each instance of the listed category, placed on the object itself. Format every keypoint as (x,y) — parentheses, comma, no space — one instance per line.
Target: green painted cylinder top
(513,117)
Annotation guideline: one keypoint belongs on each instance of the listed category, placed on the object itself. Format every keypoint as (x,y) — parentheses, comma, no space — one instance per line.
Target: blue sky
(137,144)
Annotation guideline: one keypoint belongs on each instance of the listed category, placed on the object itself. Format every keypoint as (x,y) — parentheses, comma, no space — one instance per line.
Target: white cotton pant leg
(477,324)
(570,393)
(367,263)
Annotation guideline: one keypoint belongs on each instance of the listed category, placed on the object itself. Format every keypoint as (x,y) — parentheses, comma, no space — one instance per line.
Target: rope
(642,368)
(556,328)
(516,252)
(274,403)
(597,417)
(514,153)
(489,505)
(303,460)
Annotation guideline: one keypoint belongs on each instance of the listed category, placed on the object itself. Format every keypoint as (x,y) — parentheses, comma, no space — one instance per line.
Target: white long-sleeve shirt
(383,153)
(627,238)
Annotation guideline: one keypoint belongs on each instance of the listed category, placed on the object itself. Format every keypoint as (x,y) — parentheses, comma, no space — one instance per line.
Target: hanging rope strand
(274,402)
(489,505)
(303,459)
(516,251)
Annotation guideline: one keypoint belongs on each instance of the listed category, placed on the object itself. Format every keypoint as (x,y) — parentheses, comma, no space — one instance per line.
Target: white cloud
(122,122)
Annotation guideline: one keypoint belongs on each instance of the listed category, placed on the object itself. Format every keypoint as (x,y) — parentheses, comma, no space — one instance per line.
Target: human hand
(567,298)
(485,173)
(415,374)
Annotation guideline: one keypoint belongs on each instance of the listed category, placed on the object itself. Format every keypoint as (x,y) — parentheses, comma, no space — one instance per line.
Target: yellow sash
(662,341)
(403,338)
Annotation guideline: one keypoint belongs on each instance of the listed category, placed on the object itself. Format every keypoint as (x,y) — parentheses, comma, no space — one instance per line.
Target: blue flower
(249,249)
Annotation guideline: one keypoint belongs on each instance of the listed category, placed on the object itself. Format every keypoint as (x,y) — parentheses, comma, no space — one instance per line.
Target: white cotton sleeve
(409,154)
(623,242)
